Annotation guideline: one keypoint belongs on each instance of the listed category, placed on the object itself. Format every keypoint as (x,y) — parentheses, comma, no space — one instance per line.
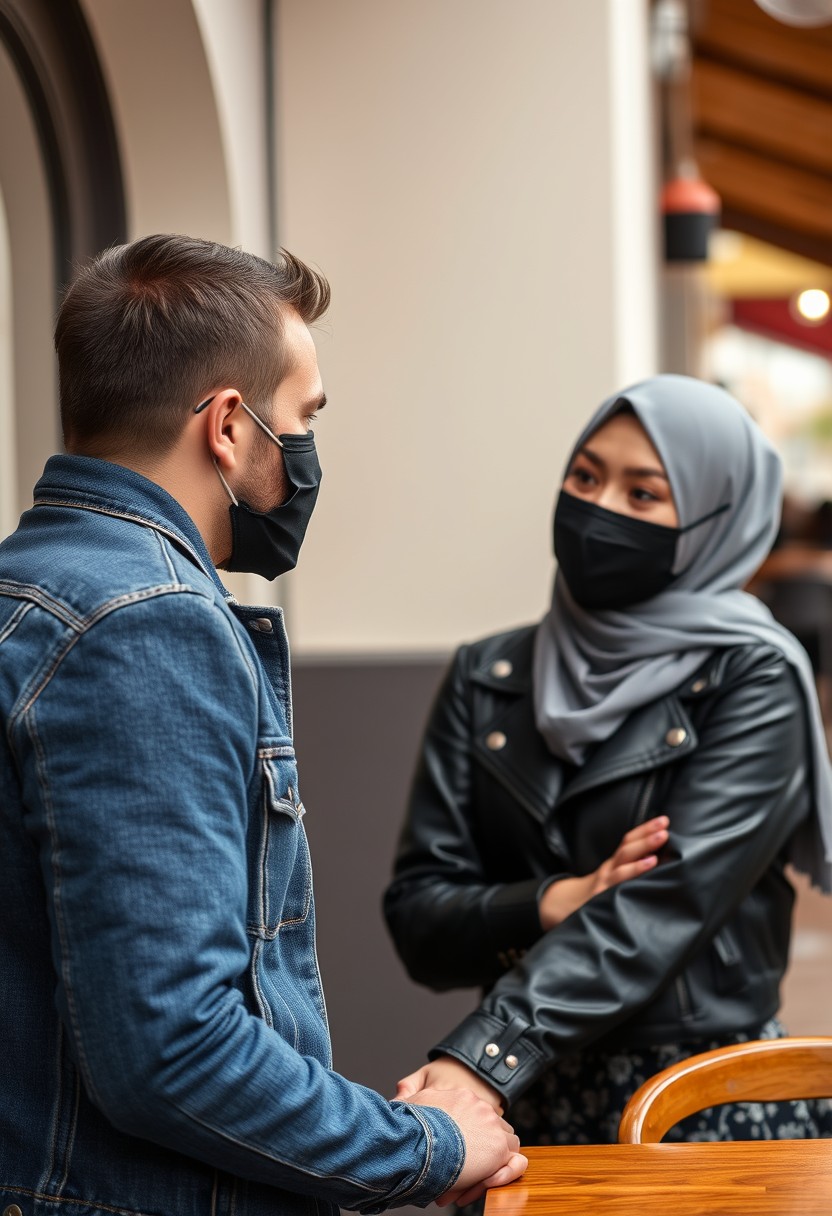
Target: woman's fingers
(645,839)
(660,823)
(636,854)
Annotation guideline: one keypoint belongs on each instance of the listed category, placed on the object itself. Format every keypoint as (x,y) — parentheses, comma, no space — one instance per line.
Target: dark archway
(54,55)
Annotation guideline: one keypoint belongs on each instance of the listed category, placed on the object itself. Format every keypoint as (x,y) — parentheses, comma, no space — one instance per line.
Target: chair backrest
(768,1070)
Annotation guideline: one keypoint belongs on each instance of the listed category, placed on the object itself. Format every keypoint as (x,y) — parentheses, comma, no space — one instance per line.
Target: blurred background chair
(768,1070)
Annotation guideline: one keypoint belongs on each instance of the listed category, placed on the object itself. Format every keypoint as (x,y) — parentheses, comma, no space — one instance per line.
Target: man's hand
(491,1147)
(635,855)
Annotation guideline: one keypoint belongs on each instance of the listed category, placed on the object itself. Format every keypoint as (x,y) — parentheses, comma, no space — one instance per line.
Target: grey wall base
(357,729)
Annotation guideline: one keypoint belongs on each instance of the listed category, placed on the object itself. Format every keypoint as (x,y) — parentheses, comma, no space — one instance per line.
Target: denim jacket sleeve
(136,759)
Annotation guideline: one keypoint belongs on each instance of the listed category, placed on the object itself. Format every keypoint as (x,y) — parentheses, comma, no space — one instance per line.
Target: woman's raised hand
(636,854)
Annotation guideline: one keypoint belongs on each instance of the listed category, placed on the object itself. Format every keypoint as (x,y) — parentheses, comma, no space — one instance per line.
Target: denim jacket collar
(86,483)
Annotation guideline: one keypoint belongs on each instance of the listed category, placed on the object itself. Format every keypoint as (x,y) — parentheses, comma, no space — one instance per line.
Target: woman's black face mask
(611,560)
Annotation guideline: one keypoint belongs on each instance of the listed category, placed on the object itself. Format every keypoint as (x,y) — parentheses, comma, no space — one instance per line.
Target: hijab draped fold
(592,669)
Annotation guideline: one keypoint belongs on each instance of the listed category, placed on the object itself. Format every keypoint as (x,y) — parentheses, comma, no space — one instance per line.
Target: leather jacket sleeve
(734,803)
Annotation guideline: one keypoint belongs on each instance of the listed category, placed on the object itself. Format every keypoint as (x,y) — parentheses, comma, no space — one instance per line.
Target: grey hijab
(593,669)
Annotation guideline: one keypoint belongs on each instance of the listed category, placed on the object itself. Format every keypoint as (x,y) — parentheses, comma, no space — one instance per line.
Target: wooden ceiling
(762,107)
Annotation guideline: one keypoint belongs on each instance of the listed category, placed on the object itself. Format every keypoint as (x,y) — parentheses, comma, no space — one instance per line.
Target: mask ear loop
(198,410)
(711,515)
(726,506)
(261,424)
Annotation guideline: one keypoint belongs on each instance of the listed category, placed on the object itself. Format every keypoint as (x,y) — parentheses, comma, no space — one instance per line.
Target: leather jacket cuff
(500,1052)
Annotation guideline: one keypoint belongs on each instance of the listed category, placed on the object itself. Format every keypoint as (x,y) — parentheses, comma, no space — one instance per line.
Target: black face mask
(268,542)
(611,560)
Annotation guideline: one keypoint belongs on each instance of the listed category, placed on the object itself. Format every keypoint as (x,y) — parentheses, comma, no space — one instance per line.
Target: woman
(605,803)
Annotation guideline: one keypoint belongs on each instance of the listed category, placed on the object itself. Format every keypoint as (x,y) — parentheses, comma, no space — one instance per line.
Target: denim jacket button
(492,1050)
(262,624)
(676,737)
(495,741)
(12,1210)
(501,669)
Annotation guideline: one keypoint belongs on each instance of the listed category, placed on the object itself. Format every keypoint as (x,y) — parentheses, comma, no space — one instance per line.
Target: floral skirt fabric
(580,1100)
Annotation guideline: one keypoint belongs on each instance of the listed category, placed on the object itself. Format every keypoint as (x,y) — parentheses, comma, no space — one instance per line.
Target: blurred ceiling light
(798,12)
(812,306)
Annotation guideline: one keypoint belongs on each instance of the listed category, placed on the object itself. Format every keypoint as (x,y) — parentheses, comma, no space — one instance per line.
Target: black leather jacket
(691,950)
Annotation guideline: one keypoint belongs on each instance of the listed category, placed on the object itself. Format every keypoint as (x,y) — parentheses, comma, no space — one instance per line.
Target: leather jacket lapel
(648,739)
(508,744)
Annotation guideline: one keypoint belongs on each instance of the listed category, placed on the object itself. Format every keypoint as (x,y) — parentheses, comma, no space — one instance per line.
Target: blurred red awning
(776,319)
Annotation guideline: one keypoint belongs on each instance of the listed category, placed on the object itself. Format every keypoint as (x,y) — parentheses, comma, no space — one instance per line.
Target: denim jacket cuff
(444,1159)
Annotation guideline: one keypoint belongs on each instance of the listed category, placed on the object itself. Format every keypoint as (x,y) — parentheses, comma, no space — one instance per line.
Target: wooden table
(741,1178)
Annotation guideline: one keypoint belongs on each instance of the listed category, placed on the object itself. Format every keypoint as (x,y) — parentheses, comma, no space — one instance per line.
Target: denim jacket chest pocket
(281,892)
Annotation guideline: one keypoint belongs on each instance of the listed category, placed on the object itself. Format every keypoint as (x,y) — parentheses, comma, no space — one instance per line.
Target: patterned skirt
(581,1098)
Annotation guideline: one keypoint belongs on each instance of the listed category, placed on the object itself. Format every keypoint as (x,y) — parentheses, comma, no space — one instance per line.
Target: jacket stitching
(15,619)
(37,596)
(111,606)
(81,1203)
(56,1106)
(270,804)
(265,1011)
(40,764)
(428,1154)
(305,1168)
(285,1005)
(136,519)
(166,556)
(70,1140)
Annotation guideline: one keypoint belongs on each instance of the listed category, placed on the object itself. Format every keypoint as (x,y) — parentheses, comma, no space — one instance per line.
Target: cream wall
(475,179)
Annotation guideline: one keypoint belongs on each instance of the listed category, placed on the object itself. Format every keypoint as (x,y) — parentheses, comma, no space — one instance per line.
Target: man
(165,1047)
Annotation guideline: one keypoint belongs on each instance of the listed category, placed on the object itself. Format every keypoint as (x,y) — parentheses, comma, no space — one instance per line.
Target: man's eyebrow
(317,403)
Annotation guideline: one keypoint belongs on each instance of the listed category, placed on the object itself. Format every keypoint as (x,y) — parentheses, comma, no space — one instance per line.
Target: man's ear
(224,426)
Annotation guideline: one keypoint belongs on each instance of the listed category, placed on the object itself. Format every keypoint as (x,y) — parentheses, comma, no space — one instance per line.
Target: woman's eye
(582,476)
(642,495)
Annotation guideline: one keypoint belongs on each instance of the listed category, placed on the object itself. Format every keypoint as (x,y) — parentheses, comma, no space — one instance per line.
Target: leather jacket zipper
(682,994)
(683,997)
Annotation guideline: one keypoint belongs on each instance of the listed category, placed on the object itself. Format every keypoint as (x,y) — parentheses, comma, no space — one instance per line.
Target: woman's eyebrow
(600,463)
(591,457)
(645,472)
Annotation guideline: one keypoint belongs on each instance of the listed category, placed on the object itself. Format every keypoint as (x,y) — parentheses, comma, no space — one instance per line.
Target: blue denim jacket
(163,1033)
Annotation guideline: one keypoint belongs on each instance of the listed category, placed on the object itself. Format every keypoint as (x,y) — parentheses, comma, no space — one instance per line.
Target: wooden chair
(768,1070)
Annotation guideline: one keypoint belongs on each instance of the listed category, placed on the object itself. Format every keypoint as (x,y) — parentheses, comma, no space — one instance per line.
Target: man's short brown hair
(146,330)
